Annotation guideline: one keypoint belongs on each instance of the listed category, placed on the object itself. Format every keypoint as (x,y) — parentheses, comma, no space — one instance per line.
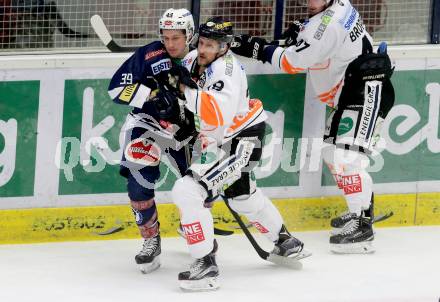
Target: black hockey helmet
(218,29)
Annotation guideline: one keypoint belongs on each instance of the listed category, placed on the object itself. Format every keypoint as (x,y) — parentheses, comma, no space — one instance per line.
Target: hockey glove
(248,46)
(291,34)
(166,105)
(187,127)
(152,83)
(183,76)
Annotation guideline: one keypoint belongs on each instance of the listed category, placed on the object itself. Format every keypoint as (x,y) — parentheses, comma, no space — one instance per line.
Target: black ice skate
(288,247)
(148,258)
(338,223)
(202,275)
(356,237)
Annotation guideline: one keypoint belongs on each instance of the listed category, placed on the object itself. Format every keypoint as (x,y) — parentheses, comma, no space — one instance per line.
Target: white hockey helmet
(178,19)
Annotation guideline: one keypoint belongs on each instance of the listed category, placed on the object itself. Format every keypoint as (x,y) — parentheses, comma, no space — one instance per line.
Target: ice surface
(405,268)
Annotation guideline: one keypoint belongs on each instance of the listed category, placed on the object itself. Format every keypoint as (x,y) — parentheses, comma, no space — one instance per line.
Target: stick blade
(289,262)
(100,29)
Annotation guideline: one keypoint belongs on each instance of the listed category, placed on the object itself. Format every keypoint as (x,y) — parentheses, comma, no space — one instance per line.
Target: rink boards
(60,146)
(116,222)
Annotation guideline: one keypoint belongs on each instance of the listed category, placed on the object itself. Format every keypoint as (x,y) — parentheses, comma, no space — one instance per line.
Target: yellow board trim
(302,214)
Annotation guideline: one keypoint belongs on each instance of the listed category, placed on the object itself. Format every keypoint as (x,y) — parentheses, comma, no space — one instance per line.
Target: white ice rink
(405,268)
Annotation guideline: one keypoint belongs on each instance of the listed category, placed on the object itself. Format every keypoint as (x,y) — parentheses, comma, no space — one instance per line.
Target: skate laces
(149,246)
(196,266)
(346,215)
(350,227)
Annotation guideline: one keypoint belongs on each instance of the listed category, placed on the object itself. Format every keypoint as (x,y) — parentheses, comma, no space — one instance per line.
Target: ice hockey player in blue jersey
(157,125)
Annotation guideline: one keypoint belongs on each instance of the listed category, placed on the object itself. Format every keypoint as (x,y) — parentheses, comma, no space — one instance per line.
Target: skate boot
(355,237)
(148,258)
(202,275)
(338,223)
(289,246)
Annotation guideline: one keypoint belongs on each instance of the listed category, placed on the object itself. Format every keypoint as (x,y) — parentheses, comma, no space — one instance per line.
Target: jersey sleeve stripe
(141,96)
(287,67)
(327,96)
(256,107)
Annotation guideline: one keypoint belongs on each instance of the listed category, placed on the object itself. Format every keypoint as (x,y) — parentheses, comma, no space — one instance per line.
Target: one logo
(325,21)
(128,93)
(160,66)
(338,179)
(186,62)
(143,152)
(153,54)
(168,23)
(352,184)
(345,126)
(259,227)
(351,19)
(194,232)
(255,51)
(138,216)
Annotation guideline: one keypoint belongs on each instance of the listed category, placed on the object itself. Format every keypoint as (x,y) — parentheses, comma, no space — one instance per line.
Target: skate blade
(147,268)
(205,284)
(337,231)
(365,247)
(291,261)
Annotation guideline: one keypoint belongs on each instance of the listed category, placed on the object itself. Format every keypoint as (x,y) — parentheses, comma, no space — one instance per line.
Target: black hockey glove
(291,34)
(167,105)
(248,46)
(151,83)
(183,76)
(187,127)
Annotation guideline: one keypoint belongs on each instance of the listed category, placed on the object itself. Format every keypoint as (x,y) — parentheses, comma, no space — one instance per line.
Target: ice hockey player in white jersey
(229,146)
(335,50)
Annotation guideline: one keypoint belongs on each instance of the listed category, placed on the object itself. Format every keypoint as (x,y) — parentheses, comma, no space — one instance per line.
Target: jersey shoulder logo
(325,21)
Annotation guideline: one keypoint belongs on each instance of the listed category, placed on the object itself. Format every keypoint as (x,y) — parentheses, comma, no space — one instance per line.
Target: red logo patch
(168,22)
(352,184)
(155,53)
(338,179)
(143,152)
(194,232)
(259,227)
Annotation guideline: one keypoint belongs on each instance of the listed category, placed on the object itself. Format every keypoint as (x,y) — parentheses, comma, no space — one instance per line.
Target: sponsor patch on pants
(194,232)
(338,179)
(259,227)
(352,184)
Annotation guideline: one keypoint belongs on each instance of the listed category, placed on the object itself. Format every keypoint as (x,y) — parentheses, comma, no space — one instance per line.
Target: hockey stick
(382,217)
(105,37)
(291,262)
(274,42)
(188,163)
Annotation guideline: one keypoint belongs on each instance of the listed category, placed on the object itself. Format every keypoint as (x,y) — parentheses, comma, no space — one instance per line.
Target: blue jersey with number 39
(140,75)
